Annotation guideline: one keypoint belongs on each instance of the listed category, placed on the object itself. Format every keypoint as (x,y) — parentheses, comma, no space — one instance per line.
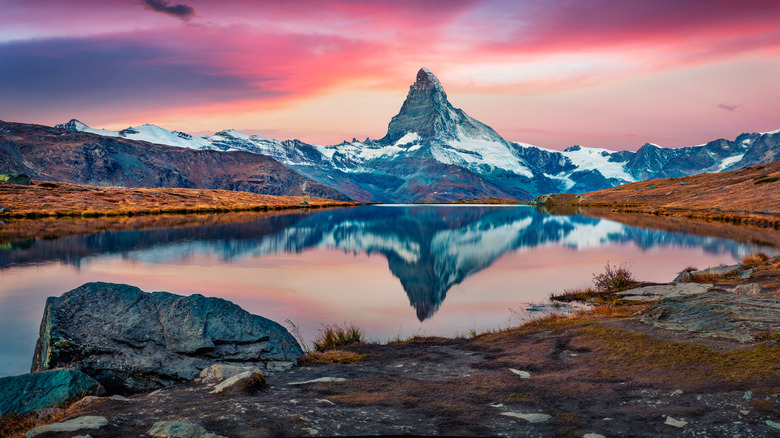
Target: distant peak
(73,125)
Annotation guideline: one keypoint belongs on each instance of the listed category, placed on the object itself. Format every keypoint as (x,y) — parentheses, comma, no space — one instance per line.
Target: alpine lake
(395,271)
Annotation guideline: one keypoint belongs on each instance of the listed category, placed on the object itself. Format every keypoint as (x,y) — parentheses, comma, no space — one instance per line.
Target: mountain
(435,152)
(56,154)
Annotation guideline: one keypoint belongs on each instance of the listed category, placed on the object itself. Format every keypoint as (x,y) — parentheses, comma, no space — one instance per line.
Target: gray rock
(749,289)
(130,340)
(29,393)
(662,291)
(219,372)
(529,417)
(683,277)
(178,429)
(320,380)
(719,270)
(80,423)
(675,423)
(521,373)
(717,314)
(249,381)
(5,210)
(746,274)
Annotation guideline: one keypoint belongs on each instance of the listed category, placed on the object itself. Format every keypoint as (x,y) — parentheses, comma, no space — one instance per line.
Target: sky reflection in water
(331,266)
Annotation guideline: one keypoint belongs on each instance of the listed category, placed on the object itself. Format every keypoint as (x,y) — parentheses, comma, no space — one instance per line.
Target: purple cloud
(185,12)
(728,107)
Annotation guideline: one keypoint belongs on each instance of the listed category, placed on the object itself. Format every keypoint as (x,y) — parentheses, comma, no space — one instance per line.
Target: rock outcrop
(717,314)
(29,393)
(130,340)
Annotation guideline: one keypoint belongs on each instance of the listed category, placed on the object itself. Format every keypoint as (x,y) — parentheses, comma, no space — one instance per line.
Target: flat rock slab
(662,291)
(76,424)
(29,393)
(529,417)
(717,314)
(178,429)
(130,340)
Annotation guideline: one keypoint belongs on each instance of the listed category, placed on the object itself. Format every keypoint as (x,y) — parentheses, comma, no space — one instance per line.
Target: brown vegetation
(749,195)
(43,199)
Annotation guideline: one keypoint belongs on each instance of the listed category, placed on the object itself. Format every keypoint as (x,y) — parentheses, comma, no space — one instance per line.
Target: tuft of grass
(613,278)
(332,357)
(691,268)
(766,180)
(754,260)
(332,336)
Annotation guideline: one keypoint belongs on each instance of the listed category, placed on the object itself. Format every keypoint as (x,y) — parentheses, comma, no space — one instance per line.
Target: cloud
(728,107)
(185,12)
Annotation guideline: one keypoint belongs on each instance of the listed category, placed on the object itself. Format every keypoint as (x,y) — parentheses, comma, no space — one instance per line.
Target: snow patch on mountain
(729,161)
(598,159)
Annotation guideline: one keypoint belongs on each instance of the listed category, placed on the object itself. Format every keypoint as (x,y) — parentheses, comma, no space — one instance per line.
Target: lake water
(395,271)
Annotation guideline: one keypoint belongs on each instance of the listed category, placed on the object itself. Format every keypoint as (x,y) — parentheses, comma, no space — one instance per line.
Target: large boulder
(29,393)
(130,340)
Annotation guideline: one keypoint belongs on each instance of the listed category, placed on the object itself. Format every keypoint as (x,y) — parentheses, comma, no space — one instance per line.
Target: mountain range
(435,152)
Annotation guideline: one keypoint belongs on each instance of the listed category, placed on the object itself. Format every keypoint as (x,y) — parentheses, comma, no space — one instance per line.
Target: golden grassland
(46,199)
(749,195)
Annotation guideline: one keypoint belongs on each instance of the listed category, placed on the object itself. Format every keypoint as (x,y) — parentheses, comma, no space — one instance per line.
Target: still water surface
(396,271)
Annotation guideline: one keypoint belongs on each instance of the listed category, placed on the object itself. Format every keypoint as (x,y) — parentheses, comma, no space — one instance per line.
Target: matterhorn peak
(427,113)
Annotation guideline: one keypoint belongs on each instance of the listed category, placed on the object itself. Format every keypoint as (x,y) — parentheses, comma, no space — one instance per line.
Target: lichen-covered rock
(76,424)
(180,429)
(219,372)
(29,393)
(749,289)
(717,314)
(130,340)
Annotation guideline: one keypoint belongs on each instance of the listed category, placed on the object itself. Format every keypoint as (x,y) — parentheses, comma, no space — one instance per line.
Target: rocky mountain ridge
(54,154)
(435,152)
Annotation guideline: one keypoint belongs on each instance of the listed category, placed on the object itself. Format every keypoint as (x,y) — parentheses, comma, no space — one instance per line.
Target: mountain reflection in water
(428,248)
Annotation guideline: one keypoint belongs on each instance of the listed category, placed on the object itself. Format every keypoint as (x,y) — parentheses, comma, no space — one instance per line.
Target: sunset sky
(556,73)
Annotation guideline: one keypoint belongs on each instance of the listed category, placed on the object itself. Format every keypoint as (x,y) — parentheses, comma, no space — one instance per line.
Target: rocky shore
(680,359)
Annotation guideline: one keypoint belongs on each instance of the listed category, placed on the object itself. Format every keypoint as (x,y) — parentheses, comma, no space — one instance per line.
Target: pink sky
(551,73)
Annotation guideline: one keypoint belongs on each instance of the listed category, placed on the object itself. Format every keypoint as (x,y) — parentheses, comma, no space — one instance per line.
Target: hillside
(55,154)
(750,194)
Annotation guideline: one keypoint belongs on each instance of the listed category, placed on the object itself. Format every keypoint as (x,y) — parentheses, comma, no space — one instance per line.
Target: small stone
(80,423)
(744,412)
(322,400)
(773,424)
(178,429)
(522,374)
(748,395)
(593,435)
(746,274)
(5,210)
(320,380)
(749,289)
(529,417)
(683,277)
(497,405)
(311,431)
(676,423)
(249,381)
(676,392)
(219,372)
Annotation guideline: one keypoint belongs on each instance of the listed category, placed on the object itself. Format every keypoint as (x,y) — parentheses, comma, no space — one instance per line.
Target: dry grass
(373,398)
(331,357)
(689,362)
(44,199)
(333,336)
(754,260)
(748,195)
